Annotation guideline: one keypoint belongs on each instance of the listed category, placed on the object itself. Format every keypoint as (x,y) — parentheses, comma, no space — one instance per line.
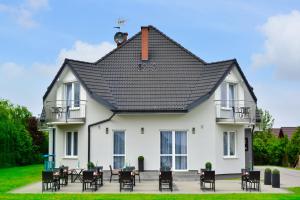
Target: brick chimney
(145,43)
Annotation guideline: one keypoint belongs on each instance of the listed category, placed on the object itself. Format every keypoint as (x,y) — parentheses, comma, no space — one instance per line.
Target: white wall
(205,145)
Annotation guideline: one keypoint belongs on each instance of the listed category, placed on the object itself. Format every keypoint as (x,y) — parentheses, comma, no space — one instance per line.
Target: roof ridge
(176,43)
(222,61)
(80,61)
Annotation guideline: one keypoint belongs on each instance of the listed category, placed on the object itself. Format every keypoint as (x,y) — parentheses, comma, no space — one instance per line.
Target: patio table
(77,172)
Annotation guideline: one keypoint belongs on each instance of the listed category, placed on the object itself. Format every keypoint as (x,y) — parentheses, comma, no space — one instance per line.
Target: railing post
(67,113)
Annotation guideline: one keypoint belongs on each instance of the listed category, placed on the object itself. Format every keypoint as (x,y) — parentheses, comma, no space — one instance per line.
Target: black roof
(172,80)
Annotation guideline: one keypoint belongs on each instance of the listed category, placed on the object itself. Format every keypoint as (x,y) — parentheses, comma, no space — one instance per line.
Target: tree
(267,120)
(293,148)
(20,141)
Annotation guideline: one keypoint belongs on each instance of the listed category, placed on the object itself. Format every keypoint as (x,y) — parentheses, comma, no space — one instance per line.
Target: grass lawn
(11,178)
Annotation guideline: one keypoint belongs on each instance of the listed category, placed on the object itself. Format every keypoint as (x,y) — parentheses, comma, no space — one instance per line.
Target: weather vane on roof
(120,22)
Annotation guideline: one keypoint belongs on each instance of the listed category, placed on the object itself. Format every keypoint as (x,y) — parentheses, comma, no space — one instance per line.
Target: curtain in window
(180,162)
(232,143)
(119,143)
(76,94)
(224,94)
(166,148)
(180,148)
(225,143)
(231,95)
(75,144)
(69,144)
(165,142)
(69,94)
(180,142)
(119,149)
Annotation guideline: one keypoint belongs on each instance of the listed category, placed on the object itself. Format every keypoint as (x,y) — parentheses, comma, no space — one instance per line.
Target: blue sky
(36,35)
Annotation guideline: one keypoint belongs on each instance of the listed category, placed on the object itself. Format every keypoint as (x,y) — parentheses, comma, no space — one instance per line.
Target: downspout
(89,133)
(252,131)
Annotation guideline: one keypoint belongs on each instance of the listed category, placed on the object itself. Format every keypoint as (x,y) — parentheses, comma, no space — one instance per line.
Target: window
(227,95)
(119,149)
(72,94)
(229,146)
(71,144)
(173,149)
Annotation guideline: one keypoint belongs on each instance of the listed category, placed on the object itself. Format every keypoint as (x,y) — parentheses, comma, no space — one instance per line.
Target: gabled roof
(172,80)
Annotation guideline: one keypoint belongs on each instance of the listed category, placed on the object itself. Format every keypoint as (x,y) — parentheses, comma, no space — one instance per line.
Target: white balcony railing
(235,111)
(64,111)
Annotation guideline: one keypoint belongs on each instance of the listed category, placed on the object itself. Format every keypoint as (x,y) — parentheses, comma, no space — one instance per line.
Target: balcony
(64,112)
(235,112)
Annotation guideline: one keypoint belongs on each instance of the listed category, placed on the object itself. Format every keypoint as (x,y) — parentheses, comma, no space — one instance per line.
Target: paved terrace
(184,183)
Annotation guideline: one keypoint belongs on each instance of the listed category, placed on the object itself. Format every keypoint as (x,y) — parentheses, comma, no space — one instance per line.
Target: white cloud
(24,13)
(85,51)
(11,70)
(281,100)
(281,46)
(25,85)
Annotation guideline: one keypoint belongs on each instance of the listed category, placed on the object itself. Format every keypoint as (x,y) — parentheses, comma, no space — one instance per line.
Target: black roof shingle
(172,80)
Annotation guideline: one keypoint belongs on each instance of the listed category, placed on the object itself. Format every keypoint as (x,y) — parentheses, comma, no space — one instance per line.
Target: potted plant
(90,165)
(141,163)
(275,178)
(208,166)
(267,180)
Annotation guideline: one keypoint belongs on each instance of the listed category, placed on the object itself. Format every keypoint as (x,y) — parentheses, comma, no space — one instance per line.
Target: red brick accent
(145,43)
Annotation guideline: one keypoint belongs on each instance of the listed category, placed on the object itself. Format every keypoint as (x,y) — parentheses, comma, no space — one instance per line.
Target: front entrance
(248,149)
(173,150)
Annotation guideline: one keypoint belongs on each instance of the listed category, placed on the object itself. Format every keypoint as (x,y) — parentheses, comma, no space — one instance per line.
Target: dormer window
(228,94)
(72,91)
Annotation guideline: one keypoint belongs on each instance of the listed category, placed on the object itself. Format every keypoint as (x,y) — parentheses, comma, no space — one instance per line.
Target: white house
(151,97)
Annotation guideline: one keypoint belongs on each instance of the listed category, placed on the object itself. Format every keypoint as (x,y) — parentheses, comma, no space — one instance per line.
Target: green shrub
(267,170)
(141,158)
(269,149)
(275,171)
(208,166)
(90,165)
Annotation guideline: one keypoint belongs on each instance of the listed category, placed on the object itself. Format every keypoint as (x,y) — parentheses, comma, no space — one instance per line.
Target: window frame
(227,100)
(73,107)
(72,144)
(113,145)
(173,154)
(229,143)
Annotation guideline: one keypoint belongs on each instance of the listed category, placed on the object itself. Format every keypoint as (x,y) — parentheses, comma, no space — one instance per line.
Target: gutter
(89,133)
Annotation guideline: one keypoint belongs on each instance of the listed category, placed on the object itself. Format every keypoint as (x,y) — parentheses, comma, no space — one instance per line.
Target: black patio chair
(166,178)
(244,176)
(114,172)
(99,175)
(202,175)
(253,180)
(63,176)
(209,177)
(88,179)
(48,178)
(126,180)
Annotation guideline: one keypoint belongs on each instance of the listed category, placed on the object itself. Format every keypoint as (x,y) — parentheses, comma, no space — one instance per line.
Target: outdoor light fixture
(193,130)
(106,130)
(142,130)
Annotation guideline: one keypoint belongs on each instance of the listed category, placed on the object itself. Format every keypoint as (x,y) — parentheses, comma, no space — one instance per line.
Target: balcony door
(173,150)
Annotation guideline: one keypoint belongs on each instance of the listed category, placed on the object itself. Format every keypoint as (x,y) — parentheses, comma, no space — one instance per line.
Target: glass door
(173,149)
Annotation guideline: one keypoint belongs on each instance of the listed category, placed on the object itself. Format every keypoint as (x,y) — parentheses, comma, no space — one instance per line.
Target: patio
(180,187)
(184,183)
